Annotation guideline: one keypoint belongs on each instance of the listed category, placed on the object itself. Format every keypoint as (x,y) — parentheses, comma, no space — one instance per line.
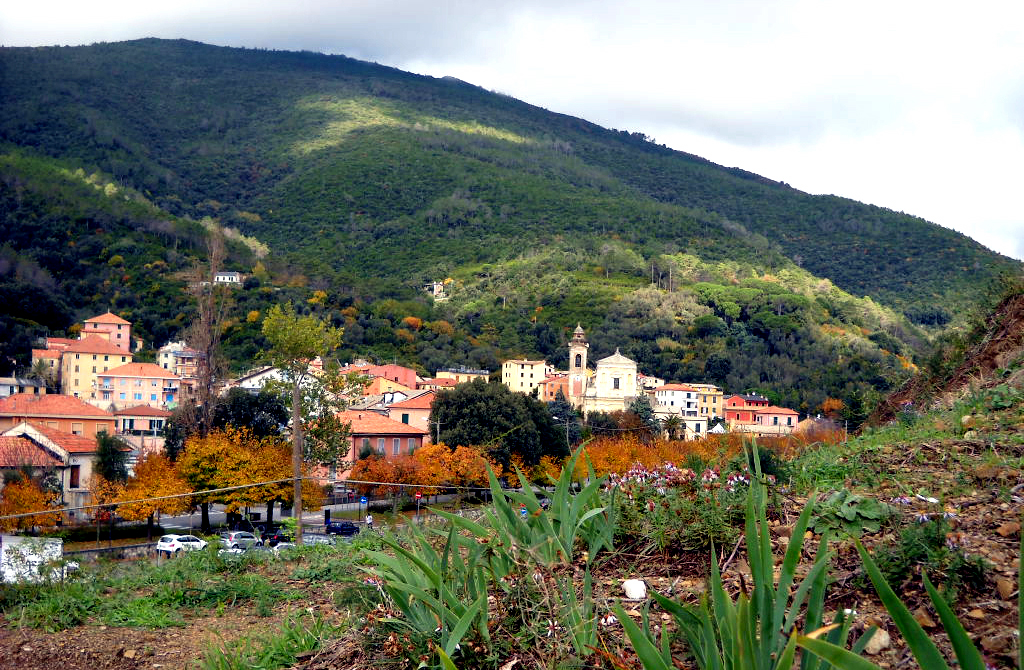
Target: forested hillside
(364,182)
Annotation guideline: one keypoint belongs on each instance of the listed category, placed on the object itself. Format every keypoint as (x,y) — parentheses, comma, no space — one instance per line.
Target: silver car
(238,539)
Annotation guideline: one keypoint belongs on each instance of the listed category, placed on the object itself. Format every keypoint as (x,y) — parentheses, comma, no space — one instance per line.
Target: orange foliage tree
(155,476)
(24,496)
(235,457)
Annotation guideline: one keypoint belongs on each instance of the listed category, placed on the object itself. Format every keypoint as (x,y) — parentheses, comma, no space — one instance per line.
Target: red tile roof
(45,353)
(73,444)
(60,342)
(94,344)
(16,451)
(675,387)
(775,410)
(109,317)
(143,410)
(139,370)
(51,404)
(439,382)
(423,401)
(371,423)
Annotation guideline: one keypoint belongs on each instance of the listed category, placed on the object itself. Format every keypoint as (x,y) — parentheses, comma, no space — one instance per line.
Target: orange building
(59,412)
(414,412)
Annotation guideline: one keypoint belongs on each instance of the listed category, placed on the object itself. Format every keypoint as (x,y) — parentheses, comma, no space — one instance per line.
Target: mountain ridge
(366,182)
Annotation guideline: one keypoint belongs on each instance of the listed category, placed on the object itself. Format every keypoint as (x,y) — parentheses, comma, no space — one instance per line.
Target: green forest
(345,186)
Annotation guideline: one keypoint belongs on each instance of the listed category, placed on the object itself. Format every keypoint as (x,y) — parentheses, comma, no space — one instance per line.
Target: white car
(172,544)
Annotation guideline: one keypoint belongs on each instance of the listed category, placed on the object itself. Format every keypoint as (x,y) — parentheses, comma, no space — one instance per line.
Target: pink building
(135,384)
(777,416)
(113,328)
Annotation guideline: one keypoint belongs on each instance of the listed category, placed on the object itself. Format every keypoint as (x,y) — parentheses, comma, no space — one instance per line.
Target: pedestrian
(369,521)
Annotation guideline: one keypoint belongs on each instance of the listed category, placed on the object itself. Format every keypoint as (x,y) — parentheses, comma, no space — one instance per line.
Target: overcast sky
(915,106)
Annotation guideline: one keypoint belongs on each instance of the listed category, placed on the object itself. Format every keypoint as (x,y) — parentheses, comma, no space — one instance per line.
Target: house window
(696,427)
(122,396)
(137,396)
(405,418)
(94,369)
(76,368)
(153,383)
(366,443)
(396,446)
(128,424)
(124,382)
(106,358)
(775,420)
(413,443)
(76,472)
(94,356)
(380,445)
(123,359)
(76,429)
(152,396)
(615,382)
(579,360)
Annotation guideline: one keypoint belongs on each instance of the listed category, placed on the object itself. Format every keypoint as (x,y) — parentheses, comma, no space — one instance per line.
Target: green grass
(272,651)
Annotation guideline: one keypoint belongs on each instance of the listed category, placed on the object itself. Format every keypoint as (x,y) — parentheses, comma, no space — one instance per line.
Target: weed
(270,652)
(930,547)
(848,514)
(59,607)
(139,613)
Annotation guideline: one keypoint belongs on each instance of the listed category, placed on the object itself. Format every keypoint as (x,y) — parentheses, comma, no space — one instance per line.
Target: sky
(915,106)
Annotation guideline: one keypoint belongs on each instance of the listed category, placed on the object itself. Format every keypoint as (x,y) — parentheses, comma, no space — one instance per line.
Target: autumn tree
(155,477)
(315,399)
(235,457)
(22,496)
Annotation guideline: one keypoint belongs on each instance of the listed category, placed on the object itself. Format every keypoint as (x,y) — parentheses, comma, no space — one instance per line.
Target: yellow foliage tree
(155,476)
(25,496)
(235,457)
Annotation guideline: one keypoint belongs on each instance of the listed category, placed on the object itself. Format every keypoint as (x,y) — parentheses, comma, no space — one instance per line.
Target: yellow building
(83,359)
(523,375)
(709,400)
(462,375)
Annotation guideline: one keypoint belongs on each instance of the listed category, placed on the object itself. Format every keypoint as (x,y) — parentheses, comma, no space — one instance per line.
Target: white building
(522,375)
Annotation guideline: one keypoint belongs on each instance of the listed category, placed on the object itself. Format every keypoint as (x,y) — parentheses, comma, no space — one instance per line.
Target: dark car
(346,528)
(277,538)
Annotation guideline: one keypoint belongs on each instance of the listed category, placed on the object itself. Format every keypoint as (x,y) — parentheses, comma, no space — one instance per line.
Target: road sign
(418,495)
(362,500)
(522,509)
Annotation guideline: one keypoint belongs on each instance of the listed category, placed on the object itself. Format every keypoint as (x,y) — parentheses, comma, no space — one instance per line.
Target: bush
(931,547)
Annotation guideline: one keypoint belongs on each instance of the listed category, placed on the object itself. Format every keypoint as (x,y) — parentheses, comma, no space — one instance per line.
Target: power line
(206,492)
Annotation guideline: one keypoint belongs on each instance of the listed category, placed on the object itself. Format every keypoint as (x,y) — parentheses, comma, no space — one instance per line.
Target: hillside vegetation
(364,182)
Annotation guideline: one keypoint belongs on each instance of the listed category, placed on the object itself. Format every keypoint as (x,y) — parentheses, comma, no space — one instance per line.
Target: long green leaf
(924,649)
(646,651)
(446,661)
(460,628)
(837,656)
(966,653)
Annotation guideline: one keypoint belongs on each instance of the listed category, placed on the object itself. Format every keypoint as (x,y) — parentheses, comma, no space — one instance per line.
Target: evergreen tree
(111,457)
(566,417)
(498,420)
(641,407)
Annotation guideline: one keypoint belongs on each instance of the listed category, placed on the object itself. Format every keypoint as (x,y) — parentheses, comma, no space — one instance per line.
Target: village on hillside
(101,388)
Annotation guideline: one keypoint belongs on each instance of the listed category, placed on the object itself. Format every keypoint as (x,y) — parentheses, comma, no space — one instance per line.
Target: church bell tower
(578,346)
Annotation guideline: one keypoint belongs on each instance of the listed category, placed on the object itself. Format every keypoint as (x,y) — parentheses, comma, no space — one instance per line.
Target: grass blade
(646,651)
(966,653)
(837,656)
(924,650)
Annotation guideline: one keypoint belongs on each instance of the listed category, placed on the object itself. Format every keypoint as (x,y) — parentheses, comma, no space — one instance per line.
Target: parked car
(172,544)
(238,539)
(318,539)
(346,528)
(277,538)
